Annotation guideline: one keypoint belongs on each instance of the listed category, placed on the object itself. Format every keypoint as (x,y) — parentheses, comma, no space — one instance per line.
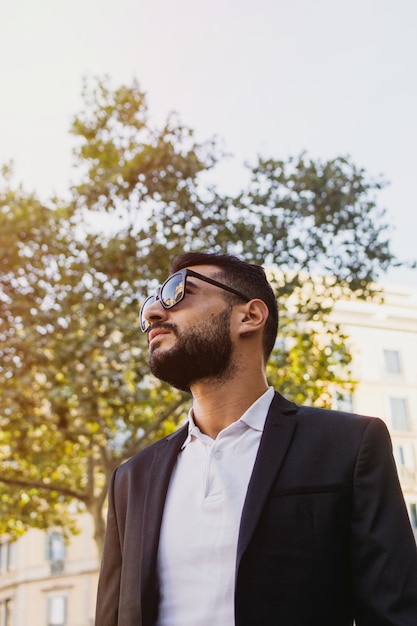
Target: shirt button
(218,455)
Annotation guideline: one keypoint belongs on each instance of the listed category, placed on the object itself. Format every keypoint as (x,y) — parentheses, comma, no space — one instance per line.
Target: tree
(76,397)
(30,243)
(321,217)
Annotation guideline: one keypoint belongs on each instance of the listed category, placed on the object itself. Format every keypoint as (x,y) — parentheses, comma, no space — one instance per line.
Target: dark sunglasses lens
(144,324)
(172,291)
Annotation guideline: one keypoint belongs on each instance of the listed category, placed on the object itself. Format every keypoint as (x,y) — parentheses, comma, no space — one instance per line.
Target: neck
(217,404)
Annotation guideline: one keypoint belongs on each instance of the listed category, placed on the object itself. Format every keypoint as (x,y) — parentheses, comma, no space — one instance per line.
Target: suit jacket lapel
(159,477)
(276,438)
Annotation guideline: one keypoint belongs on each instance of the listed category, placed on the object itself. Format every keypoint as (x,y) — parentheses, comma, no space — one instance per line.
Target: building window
(55,551)
(406,461)
(57,611)
(392,361)
(6,556)
(6,612)
(413,516)
(399,414)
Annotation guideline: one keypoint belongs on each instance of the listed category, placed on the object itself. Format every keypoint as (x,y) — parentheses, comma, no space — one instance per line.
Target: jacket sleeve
(384,554)
(107,608)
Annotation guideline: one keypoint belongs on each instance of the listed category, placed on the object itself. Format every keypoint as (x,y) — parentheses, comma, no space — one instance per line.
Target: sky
(268,77)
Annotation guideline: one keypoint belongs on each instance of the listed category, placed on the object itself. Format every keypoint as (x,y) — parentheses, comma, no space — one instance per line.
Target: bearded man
(257,512)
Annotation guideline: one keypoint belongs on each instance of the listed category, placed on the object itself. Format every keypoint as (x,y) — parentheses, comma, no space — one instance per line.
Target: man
(257,512)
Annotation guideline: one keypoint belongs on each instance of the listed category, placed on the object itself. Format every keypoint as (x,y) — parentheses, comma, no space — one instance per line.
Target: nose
(154,312)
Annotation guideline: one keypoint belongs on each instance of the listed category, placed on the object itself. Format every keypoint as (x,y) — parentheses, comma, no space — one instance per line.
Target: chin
(156,345)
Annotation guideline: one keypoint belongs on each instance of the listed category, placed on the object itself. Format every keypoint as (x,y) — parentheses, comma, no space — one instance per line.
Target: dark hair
(248,278)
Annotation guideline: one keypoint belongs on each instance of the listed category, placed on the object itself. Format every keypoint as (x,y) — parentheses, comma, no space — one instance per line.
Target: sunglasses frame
(183,273)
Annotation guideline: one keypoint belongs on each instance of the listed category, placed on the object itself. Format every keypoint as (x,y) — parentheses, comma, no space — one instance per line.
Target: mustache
(164,325)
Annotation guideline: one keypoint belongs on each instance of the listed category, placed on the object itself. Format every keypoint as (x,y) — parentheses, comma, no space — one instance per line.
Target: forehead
(205,270)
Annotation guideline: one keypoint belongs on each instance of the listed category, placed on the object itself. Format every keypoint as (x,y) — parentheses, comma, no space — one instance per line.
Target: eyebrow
(189,283)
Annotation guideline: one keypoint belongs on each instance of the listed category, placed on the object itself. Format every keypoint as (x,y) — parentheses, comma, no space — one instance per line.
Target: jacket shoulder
(327,420)
(144,457)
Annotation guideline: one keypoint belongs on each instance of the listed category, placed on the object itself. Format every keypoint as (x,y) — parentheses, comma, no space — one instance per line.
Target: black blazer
(324,537)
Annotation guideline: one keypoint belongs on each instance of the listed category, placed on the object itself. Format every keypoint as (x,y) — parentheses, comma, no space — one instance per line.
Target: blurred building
(383,340)
(44,582)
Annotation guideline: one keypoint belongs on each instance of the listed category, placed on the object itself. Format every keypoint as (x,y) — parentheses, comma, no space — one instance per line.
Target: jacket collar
(276,438)
(166,452)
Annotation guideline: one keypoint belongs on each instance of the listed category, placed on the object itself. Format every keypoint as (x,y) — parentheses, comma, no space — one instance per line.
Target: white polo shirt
(200,526)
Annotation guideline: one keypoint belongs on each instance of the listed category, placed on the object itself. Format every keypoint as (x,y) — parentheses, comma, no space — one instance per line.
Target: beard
(200,353)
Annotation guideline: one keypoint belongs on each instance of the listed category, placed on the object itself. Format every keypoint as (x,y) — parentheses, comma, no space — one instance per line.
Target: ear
(252,317)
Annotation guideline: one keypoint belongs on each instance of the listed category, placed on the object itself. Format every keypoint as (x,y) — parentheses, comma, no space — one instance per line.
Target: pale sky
(269,77)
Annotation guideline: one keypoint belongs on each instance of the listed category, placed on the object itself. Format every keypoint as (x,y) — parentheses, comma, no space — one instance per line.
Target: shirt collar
(254,417)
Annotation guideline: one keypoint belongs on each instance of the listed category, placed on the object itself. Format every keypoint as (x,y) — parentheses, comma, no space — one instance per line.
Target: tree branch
(36,484)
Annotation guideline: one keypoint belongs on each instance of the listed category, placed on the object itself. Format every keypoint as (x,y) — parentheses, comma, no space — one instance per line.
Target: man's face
(194,341)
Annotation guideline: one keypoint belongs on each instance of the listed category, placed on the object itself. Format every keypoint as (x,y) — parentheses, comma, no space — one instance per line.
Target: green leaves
(320,217)
(76,397)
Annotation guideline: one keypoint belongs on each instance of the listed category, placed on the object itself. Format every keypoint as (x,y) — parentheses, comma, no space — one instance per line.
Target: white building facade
(383,339)
(45,583)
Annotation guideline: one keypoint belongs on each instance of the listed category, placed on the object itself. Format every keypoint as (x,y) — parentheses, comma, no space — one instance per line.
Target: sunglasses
(173,290)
